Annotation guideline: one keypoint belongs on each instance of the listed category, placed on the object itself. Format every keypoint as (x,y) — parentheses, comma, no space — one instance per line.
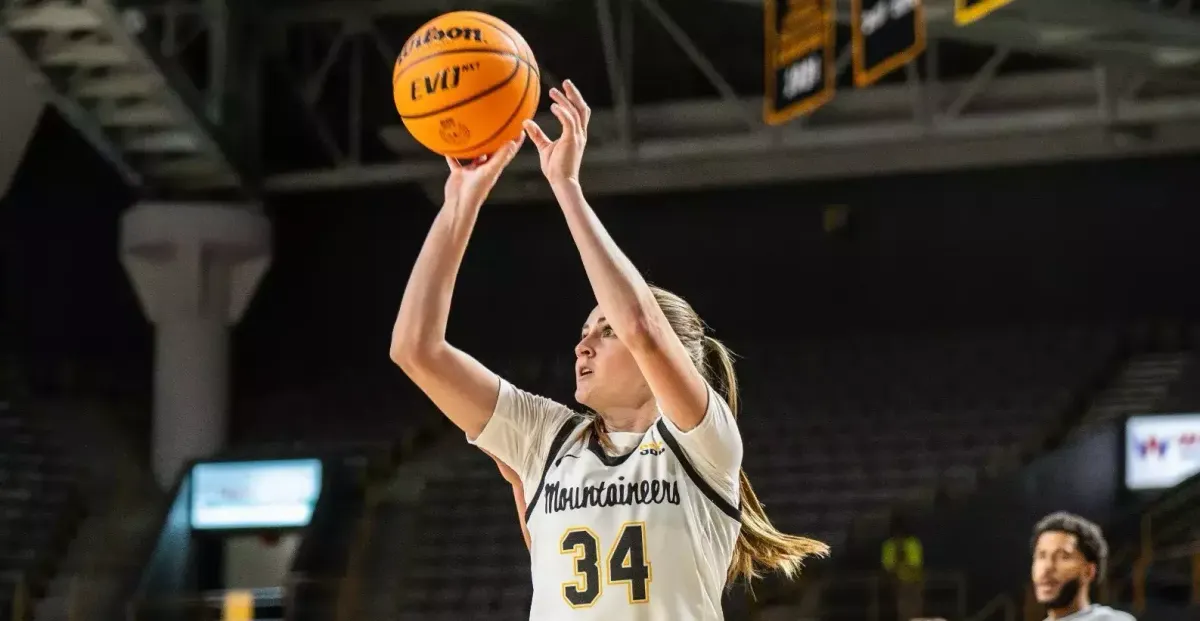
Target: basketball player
(1069,556)
(637,510)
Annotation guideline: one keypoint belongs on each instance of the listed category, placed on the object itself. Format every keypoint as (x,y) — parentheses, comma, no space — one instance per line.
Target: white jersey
(644,535)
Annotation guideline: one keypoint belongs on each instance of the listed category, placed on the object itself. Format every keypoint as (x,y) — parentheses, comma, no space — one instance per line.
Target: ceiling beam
(704,144)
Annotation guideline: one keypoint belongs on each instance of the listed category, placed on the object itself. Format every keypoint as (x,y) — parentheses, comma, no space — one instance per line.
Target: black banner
(885,35)
(967,11)
(799,63)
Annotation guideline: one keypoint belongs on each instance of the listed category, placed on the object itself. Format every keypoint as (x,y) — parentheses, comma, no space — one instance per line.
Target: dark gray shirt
(1096,612)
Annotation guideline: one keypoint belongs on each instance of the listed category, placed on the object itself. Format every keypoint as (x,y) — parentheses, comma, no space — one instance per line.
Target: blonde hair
(760,546)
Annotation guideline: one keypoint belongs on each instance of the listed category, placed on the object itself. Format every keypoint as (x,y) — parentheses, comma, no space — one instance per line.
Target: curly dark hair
(1088,535)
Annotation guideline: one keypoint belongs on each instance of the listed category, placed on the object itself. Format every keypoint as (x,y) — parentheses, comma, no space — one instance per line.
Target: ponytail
(760,546)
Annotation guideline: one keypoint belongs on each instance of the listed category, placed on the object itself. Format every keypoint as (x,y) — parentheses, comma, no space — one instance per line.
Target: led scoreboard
(800,36)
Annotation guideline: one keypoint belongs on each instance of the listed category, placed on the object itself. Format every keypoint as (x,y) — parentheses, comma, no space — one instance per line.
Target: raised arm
(620,290)
(462,388)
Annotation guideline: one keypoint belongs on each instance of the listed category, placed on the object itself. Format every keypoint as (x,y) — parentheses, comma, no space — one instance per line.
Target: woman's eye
(607,331)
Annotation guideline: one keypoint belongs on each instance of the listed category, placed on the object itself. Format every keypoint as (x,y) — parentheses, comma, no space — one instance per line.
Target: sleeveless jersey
(640,536)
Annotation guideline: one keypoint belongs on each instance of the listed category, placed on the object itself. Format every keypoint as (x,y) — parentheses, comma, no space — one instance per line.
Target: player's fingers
(476,163)
(506,153)
(569,124)
(453,164)
(569,108)
(576,97)
(514,147)
(535,133)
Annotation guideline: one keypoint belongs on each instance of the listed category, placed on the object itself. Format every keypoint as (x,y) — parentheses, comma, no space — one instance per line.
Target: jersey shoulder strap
(564,432)
(701,484)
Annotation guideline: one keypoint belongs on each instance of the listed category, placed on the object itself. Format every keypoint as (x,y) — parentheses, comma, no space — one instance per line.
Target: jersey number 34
(626,563)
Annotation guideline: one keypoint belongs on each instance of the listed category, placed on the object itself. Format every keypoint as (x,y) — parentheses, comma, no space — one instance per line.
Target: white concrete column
(21,108)
(195,267)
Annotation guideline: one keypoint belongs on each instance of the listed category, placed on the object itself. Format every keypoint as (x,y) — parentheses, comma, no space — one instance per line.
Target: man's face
(1059,569)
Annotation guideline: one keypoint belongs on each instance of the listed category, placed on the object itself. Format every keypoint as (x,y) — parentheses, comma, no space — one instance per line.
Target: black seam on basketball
(503,30)
(477,96)
(516,109)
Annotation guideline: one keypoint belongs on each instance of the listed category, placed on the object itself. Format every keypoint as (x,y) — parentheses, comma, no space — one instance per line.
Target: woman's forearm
(421,321)
(620,290)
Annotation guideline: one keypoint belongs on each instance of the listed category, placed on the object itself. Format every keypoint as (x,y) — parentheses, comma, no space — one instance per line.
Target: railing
(20,599)
(1183,560)
(1162,523)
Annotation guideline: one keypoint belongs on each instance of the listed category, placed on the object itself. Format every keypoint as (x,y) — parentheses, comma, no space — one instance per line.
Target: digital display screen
(255,494)
(1161,451)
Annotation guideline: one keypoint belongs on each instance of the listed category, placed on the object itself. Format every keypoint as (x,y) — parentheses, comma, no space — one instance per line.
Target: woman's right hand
(469,184)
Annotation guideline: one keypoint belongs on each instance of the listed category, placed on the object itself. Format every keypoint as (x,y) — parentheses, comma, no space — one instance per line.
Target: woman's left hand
(561,158)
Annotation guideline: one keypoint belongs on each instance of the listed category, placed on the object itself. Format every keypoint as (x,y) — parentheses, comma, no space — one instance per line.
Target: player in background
(639,509)
(1069,556)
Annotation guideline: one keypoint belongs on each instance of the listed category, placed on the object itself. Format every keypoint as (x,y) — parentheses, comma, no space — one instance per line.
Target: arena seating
(854,425)
(470,536)
(1185,397)
(346,410)
(358,408)
(39,507)
(837,427)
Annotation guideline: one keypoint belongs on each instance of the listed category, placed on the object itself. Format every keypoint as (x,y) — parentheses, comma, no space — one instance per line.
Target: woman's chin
(583,396)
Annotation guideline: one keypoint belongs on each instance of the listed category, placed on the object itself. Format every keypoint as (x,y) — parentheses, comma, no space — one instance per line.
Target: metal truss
(113,72)
(1117,109)
(115,69)
(1148,34)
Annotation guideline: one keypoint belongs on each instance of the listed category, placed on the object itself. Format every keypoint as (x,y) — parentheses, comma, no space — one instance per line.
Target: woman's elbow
(409,353)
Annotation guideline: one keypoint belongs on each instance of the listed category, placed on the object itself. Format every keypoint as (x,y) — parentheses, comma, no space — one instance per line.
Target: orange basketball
(464,83)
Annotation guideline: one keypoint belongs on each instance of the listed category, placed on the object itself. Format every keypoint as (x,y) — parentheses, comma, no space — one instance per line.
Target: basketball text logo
(443,80)
(436,35)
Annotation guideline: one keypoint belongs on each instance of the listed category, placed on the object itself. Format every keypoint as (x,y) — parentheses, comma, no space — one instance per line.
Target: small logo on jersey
(560,459)
(652,448)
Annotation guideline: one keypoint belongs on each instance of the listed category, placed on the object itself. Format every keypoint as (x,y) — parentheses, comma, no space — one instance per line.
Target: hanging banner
(799,63)
(884,36)
(967,11)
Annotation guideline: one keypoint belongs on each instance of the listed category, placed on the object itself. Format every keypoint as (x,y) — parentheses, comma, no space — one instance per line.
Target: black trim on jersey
(716,498)
(608,460)
(556,444)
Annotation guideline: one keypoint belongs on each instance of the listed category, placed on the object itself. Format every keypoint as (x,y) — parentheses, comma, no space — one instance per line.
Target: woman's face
(606,375)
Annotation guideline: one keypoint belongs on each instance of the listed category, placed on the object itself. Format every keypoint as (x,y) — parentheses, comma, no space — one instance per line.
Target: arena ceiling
(176,93)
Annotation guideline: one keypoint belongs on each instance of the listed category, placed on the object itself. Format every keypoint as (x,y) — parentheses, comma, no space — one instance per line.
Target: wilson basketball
(464,83)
